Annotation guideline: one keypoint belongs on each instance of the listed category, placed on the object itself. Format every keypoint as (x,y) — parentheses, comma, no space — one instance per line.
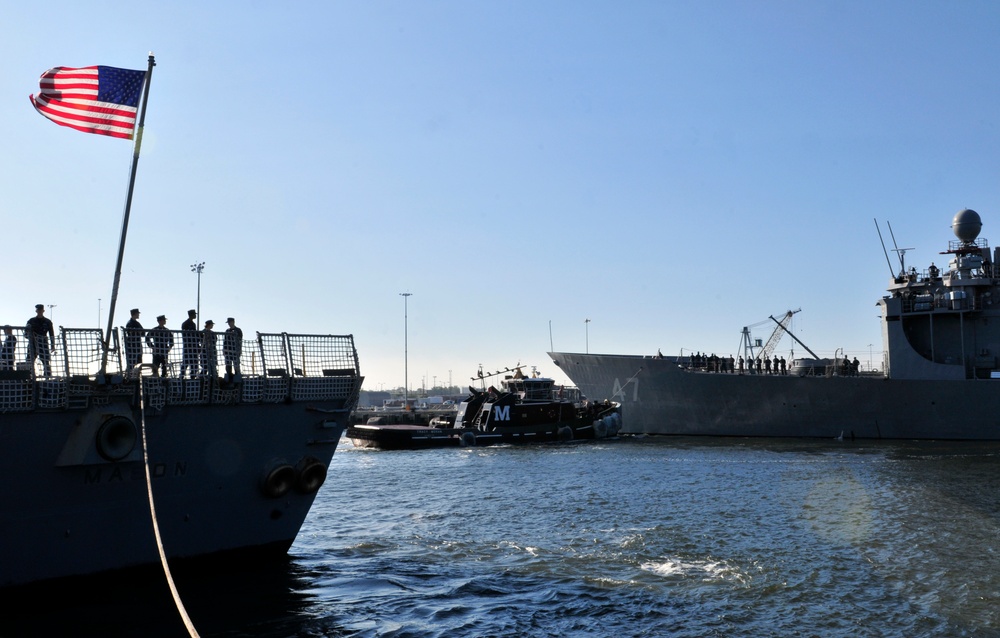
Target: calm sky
(671,171)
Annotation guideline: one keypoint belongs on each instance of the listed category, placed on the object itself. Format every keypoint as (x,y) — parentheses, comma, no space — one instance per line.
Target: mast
(128,208)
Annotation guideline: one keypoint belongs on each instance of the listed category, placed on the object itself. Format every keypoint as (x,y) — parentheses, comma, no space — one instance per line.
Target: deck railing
(273,367)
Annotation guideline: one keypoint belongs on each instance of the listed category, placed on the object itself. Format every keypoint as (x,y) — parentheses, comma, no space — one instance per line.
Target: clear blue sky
(672,171)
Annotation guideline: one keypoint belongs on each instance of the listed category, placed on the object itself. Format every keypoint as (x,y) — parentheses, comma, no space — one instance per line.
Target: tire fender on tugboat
(565,433)
(468,439)
(600,429)
(613,423)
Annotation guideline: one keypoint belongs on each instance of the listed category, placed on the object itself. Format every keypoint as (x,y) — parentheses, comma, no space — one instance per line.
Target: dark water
(641,536)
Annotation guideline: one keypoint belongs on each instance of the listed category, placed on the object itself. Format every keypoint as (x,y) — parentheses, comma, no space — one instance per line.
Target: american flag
(93,99)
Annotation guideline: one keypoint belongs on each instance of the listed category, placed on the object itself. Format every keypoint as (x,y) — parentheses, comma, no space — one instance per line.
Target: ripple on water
(671,537)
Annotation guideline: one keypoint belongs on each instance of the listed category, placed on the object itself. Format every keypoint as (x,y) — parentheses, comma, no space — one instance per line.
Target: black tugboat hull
(402,437)
(416,437)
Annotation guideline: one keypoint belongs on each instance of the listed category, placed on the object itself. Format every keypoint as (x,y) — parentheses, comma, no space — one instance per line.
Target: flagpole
(128,208)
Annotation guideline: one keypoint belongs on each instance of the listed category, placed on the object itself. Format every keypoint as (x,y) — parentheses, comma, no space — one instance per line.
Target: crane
(749,344)
(779,330)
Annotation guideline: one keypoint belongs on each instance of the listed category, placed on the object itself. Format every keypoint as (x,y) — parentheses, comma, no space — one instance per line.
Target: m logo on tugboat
(501,413)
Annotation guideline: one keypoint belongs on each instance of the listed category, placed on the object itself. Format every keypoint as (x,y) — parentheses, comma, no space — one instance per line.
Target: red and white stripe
(68,97)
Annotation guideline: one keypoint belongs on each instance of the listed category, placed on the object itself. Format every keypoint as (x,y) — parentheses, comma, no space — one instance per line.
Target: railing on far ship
(928,302)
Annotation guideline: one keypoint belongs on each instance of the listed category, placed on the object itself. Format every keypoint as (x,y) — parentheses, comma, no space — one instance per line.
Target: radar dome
(966,225)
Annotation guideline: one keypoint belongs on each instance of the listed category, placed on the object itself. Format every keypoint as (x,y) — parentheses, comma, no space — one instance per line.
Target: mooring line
(621,390)
(152,512)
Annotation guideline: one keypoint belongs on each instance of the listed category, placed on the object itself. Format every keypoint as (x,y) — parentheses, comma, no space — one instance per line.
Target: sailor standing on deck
(209,361)
(37,329)
(133,341)
(192,345)
(160,341)
(232,349)
(7,349)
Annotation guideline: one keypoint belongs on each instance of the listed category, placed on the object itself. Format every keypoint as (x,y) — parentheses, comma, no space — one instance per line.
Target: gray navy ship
(111,466)
(234,464)
(940,377)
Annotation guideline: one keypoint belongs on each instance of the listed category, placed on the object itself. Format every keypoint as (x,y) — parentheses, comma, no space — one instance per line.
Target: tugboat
(527,410)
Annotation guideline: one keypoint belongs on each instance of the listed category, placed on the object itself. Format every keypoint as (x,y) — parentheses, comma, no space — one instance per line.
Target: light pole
(870,357)
(198,268)
(586,323)
(406,350)
(51,306)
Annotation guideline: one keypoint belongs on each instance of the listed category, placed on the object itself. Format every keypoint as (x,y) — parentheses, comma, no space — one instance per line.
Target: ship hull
(402,437)
(68,511)
(233,465)
(659,396)
(416,437)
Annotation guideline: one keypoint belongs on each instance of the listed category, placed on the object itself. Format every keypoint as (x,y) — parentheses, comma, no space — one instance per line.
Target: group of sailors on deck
(729,365)
(758,365)
(850,368)
(199,357)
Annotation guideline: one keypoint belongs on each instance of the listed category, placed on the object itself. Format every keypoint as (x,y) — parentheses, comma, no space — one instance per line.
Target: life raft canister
(311,474)
(116,438)
(278,480)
